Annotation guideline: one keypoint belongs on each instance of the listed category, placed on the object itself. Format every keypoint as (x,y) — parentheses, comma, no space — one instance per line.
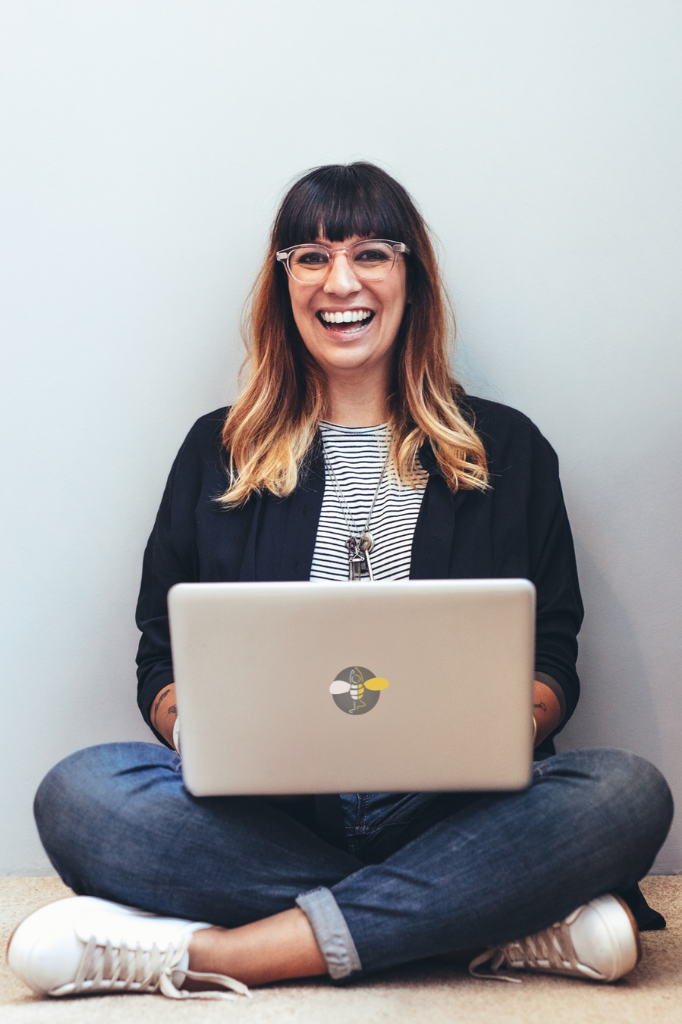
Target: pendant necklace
(360,542)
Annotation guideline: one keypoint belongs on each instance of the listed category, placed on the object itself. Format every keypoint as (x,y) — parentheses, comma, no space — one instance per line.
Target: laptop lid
(320,687)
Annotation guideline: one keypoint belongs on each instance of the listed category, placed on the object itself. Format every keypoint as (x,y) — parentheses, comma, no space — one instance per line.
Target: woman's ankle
(272,949)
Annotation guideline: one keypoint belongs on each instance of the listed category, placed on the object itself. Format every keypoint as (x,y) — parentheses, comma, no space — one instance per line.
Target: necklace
(360,543)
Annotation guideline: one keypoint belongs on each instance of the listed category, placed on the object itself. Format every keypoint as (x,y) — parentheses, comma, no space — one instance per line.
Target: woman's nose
(341,280)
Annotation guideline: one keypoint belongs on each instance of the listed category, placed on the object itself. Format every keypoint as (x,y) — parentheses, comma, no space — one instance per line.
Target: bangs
(339,201)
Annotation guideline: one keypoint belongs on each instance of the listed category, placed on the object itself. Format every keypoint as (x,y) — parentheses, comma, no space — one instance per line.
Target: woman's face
(364,344)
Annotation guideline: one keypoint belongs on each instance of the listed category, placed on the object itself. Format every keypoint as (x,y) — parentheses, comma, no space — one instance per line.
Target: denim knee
(68,798)
(633,789)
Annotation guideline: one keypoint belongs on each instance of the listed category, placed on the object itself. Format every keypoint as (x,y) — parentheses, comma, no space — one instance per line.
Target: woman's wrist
(164,712)
(546,712)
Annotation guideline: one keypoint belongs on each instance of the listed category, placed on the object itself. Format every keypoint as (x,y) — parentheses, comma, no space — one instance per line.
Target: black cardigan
(518,528)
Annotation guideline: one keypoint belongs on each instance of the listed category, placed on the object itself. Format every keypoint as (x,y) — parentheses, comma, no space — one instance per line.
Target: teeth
(347,317)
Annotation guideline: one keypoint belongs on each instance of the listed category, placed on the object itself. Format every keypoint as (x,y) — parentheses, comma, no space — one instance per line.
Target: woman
(350,422)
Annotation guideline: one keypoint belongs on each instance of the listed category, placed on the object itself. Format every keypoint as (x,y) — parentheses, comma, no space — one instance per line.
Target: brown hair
(271,428)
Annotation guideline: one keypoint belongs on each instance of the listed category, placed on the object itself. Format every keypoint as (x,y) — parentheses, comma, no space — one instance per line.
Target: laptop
(297,688)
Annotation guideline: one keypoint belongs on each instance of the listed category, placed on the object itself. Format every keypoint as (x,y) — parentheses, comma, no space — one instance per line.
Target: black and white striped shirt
(356,456)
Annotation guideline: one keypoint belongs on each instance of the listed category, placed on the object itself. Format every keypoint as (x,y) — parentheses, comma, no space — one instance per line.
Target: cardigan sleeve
(171,557)
(552,568)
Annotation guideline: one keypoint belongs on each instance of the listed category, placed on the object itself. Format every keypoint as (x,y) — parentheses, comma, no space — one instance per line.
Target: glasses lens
(372,260)
(309,263)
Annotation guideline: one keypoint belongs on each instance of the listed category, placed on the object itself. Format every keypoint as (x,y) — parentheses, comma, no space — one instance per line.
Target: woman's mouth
(347,321)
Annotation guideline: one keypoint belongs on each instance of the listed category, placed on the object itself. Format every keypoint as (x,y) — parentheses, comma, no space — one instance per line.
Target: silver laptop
(287,688)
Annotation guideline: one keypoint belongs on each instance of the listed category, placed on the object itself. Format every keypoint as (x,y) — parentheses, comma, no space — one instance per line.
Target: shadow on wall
(616,705)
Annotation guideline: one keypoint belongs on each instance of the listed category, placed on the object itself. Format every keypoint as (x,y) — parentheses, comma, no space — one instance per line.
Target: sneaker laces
(122,968)
(549,950)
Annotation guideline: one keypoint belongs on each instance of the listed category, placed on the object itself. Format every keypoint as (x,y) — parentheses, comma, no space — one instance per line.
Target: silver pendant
(366,545)
(355,559)
(358,555)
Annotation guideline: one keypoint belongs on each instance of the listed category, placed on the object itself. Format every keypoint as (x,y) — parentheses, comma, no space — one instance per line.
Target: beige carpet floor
(426,992)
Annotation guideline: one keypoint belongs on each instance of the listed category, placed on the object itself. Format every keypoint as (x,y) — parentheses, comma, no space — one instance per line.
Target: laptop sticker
(356,690)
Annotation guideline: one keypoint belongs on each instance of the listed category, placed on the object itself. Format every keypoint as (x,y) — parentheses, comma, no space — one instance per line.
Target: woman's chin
(346,358)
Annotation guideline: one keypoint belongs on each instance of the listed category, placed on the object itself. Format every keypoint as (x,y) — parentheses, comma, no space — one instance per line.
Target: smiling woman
(351,454)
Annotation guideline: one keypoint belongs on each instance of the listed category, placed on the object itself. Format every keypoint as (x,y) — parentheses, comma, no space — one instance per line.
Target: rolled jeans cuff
(331,932)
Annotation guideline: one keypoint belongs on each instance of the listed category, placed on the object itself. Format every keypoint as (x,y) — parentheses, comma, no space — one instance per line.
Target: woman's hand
(546,710)
(164,712)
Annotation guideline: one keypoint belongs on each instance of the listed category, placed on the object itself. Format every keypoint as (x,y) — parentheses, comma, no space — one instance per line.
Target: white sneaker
(87,946)
(599,941)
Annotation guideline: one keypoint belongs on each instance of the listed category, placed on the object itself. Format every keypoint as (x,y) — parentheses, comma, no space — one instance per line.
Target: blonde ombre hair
(271,429)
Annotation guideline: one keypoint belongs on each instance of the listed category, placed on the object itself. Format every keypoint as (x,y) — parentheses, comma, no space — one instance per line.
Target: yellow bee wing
(376,683)
(339,686)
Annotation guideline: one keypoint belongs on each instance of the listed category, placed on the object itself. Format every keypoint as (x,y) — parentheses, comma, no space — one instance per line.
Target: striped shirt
(356,456)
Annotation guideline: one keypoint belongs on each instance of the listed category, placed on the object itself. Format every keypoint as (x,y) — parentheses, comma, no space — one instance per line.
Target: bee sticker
(356,690)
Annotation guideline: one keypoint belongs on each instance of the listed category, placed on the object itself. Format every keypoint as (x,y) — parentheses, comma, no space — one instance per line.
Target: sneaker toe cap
(44,960)
(605,938)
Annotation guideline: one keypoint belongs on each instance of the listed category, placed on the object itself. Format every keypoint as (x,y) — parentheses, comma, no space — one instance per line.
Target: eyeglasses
(371,259)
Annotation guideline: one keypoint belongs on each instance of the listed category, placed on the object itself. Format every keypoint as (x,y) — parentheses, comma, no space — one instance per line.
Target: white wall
(146,145)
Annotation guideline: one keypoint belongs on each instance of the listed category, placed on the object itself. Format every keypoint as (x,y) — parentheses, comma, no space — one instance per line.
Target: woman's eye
(311,259)
(373,256)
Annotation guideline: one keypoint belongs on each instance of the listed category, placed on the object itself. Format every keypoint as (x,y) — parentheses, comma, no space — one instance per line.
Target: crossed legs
(117,823)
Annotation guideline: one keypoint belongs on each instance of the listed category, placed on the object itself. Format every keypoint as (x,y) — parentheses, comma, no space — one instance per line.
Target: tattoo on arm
(540,705)
(172,710)
(158,704)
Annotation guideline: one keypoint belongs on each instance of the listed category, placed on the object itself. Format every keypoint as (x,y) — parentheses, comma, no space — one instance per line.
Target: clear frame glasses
(371,259)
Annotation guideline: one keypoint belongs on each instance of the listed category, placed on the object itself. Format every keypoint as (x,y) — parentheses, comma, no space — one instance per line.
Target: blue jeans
(425,873)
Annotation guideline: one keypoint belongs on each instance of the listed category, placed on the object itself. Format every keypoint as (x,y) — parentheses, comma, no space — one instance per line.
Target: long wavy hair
(270,431)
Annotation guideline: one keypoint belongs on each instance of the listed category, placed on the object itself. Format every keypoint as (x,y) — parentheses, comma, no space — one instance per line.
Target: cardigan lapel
(434,532)
(302,518)
(281,538)
(247,570)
